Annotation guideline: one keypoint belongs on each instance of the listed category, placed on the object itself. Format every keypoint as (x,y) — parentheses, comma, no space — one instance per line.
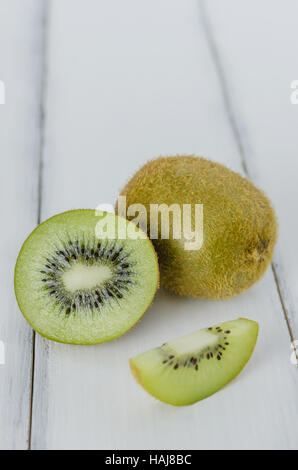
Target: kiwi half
(239,225)
(74,287)
(193,367)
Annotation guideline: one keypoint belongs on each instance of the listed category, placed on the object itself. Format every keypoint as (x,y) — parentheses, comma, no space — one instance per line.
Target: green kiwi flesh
(186,370)
(75,287)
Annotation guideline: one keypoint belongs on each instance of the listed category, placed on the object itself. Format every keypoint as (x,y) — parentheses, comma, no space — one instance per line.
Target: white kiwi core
(80,276)
(193,343)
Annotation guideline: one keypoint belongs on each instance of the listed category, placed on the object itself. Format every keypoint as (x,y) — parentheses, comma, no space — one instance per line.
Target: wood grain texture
(128,81)
(259,68)
(20,59)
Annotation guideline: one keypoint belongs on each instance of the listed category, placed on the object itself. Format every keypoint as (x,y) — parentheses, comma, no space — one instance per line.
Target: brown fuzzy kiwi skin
(240,226)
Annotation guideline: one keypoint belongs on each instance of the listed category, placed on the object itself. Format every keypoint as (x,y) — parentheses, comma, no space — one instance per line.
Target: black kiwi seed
(115,256)
(72,251)
(125,281)
(194,361)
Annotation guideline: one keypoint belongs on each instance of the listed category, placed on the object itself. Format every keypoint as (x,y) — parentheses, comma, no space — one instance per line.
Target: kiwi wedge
(75,287)
(195,366)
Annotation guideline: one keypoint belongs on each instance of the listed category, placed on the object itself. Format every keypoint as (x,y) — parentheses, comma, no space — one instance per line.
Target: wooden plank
(128,81)
(20,70)
(259,69)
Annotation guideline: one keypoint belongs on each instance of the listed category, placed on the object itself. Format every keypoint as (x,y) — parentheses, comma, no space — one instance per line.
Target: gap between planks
(232,117)
(42,99)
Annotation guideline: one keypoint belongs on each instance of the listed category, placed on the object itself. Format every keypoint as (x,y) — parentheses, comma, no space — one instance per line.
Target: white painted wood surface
(20,60)
(259,67)
(119,83)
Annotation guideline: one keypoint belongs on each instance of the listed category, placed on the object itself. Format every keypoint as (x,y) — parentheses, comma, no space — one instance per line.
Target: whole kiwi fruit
(239,225)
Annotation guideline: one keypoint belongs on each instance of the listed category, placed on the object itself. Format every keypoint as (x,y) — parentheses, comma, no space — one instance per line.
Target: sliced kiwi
(193,367)
(75,287)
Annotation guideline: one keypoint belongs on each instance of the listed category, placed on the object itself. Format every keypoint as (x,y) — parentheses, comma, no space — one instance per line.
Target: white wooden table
(94,88)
